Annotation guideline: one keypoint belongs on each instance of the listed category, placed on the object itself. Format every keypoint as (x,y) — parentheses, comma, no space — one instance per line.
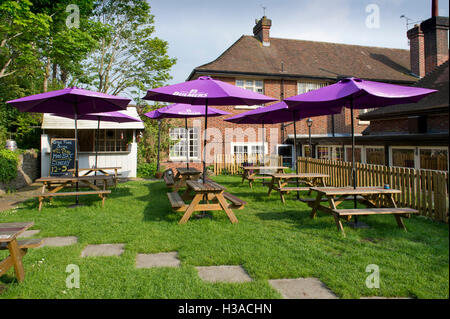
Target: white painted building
(117,142)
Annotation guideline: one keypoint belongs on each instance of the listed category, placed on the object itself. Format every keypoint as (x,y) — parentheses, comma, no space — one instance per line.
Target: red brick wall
(437,123)
(389,126)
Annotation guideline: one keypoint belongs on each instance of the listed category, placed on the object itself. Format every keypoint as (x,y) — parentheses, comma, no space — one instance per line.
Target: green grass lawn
(271,241)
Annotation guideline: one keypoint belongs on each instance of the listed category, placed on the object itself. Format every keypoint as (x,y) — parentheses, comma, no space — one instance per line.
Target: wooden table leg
(339,224)
(16,256)
(272,183)
(315,205)
(191,208)
(225,207)
(400,223)
(244,174)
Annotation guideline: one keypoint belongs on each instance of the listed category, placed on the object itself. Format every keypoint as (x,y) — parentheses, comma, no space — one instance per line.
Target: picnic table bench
(17,248)
(374,197)
(103,170)
(252,173)
(184,174)
(280,181)
(51,187)
(214,197)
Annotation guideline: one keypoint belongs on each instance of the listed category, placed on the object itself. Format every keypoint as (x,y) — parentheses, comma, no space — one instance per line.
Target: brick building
(285,67)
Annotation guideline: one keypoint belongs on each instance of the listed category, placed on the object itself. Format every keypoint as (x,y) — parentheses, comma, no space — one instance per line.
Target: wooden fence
(424,190)
(230,163)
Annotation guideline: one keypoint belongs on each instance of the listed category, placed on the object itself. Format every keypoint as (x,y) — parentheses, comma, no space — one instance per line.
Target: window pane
(375,156)
(403,157)
(323,152)
(339,151)
(433,159)
(357,154)
(240,83)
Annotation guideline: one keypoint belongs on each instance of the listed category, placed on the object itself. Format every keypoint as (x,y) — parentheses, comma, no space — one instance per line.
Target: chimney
(417,50)
(435,31)
(262,30)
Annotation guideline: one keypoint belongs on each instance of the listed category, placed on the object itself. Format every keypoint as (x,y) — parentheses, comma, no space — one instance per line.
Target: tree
(128,58)
(20,30)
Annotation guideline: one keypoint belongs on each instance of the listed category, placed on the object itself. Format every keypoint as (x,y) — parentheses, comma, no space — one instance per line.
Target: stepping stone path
(59,241)
(302,288)
(103,250)
(223,274)
(157,260)
(29,233)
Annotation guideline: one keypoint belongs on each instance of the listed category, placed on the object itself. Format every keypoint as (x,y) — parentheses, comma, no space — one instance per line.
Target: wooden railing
(230,163)
(424,190)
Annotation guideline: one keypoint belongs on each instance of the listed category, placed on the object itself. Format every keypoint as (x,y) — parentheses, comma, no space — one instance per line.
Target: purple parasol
(73,101)
(180,110)
(356,93)
(206,91)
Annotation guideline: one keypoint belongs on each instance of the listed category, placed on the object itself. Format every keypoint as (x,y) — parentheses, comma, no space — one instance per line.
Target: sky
(198,31)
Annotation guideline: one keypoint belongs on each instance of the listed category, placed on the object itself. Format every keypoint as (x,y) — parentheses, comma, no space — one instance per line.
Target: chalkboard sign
(62,156)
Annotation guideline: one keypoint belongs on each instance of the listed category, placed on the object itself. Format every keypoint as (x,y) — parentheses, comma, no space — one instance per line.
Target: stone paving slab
(59,241)
(302,288)
(29,233)
(223,274)
(103,250)
(169,259)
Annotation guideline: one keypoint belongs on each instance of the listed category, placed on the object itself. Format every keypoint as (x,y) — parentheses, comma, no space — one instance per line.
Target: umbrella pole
(187,142)
(263,153)
(295,152)
(356,224)
(76,150)
(159,144)
(96,148)
(204,141)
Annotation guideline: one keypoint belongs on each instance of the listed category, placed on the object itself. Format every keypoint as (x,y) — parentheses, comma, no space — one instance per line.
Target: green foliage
(8,165)
(127,57)
(148,147)
(146,170)
(3,136)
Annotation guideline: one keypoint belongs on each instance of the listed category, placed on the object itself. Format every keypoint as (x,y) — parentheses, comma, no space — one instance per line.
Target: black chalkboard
(62,156)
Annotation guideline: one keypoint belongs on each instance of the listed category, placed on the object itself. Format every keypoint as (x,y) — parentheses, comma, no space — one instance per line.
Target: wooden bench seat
(100,193)
(374,211)
(260,177)
(293,189)
(237,203)
(25,244)
(176,201)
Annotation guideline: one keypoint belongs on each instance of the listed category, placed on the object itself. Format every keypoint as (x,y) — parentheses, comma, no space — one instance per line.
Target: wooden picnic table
(254,172)
(103,170)
(280,181)
(379,200)
(213,195)
(17,249)
(184,174)
(52,185)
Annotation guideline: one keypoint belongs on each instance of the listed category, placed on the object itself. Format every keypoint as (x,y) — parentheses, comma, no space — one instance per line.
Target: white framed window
(374,155)
(251,85)
(306,86)
(179,148)
(363,111)
(248,148)
(434,158)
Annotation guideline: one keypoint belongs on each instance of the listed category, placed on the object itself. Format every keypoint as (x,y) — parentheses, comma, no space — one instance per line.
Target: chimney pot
(262,30)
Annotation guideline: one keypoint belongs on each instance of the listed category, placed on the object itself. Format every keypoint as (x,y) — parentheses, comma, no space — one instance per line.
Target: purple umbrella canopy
(114,116)
(206,90)
(365,94)
(71,100)
(278,113)
(181,110)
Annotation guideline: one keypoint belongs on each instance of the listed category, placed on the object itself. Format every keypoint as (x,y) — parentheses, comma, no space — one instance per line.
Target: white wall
(127,161)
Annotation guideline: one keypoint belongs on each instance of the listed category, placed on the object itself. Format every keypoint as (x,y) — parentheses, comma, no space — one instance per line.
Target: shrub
(8,165)
(146,170)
